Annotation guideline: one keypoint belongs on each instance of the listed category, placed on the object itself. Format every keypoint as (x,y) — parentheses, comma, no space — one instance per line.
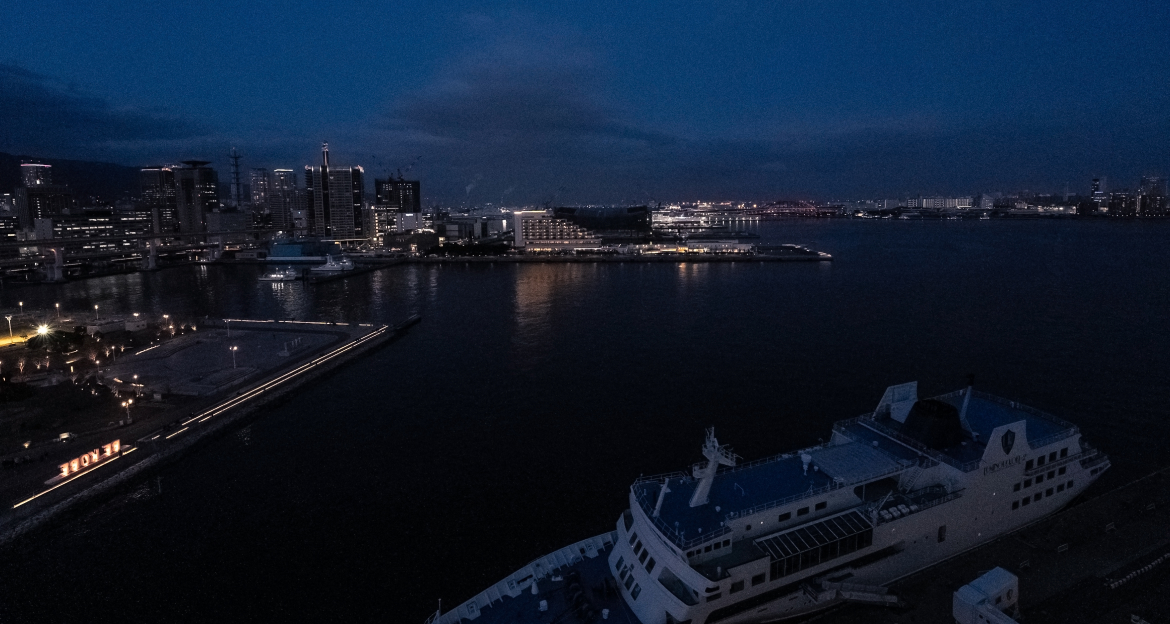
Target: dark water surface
(514,418)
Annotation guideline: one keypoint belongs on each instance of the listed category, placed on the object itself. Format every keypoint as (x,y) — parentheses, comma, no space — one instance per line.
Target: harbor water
(513,419)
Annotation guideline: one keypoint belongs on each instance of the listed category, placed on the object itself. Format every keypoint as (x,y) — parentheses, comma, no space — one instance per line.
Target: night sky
(605,101)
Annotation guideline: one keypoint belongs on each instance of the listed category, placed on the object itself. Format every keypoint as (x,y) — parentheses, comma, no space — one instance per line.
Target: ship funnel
(805,459)
(716,456)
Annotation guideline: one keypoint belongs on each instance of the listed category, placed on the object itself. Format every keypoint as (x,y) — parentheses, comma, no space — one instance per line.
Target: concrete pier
(1102,560)
(28,501)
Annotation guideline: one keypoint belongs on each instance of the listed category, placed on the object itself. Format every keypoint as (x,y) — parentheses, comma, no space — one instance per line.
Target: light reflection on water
(514,417)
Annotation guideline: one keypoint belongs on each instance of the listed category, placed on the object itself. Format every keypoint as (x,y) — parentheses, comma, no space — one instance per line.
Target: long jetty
(162,446)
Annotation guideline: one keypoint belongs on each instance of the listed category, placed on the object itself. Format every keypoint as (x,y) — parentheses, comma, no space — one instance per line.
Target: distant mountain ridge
(108,181)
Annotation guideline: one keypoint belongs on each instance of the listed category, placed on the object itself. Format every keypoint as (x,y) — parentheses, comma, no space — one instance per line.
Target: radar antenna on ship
(716,456)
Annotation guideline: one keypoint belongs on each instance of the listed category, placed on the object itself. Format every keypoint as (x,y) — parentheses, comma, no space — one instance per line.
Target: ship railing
(1016,406)
(661,478)
(678,538)
(678,474)
(521,580)
(878,427)
(1052,438)
(811,492)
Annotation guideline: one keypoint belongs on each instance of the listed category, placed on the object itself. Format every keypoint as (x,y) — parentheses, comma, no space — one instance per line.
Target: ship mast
(716,456)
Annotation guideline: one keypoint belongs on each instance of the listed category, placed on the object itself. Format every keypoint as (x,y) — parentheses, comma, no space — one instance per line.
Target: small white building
(991,598)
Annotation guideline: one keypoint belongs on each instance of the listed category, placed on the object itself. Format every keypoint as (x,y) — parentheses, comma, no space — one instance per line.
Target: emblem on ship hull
(1008,439)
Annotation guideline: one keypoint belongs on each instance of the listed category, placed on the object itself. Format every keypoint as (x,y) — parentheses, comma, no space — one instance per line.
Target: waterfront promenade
(33,492)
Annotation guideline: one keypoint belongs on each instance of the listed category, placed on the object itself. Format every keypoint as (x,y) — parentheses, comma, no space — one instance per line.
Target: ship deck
(599,587)
(732,491)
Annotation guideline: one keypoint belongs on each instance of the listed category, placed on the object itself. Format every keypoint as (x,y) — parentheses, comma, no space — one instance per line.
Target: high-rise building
(237,194)
(1122,204)
(402,195)
(1152,197)
(197,190)
(261,188)
(334,196)
(159,196)
(41,202)
(36,174)
(284,199)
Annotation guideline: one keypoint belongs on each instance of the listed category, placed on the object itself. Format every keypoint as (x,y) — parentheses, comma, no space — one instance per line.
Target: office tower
(158,194)
(1152,197)
(40,200)
(197,190)
(334,196)
(35,174)
(402,195)
(261,189)
(236,192)
(1123,204)
(283,199)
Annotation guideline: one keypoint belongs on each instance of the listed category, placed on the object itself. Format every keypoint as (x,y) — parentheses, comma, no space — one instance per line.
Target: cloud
(43,117)
(529,111)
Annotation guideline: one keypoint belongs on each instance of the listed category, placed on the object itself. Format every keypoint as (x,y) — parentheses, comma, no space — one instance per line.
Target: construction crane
(408,167)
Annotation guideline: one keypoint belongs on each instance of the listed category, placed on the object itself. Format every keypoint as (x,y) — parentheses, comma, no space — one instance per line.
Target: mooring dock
(1106,560)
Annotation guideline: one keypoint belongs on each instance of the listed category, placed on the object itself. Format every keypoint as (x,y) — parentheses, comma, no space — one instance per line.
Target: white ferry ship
(892,492)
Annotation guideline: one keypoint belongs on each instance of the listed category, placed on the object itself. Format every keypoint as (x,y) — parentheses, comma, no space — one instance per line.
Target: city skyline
(597,105)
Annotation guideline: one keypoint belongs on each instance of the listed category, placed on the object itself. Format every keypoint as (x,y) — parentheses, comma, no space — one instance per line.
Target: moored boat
(911,484)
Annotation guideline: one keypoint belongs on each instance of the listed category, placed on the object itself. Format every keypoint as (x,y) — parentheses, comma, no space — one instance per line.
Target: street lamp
(58,311)
(95,312)
(126,404)
(9,317)
(21,304)
(233,350)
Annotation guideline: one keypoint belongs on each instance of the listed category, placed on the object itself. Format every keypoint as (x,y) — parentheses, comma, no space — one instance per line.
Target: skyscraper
(236,188)
(284,200)
(39,198)
(403,195)
(197,189)
(158,194)
(261,188)
(334,195)
(1152,197)
(43,201)
(35,174)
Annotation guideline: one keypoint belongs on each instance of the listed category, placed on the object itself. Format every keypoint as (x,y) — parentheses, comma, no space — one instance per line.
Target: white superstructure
(894,491)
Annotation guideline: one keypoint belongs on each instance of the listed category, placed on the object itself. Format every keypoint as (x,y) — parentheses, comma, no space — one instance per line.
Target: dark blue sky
(606,101)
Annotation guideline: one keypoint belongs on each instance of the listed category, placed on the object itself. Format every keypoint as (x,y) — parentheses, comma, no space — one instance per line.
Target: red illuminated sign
(95,456)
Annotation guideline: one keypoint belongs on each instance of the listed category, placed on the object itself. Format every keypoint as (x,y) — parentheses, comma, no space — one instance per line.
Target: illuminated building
(197,189)
(159,196)
(35,174)
(334,196)
(536,230)
(91,225)
(1152,197)
(398,195)
(40,202)
(285,201)
(260,185)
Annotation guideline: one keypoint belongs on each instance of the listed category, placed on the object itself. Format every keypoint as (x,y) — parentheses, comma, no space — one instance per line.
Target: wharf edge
(232,415)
